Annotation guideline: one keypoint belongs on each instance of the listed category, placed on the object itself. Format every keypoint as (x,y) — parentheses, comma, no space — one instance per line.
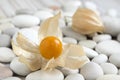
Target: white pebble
(24,11)
(90,5)
(12,78)
(74,77)
(11,31)
(21,21)
(5,26)
(42,15)
(5,72)
(67,71)
(115,59)
(69,40)
(45,75)
(112,12)
(70,33)
(6,54)
(118,37)
(88,43)
(109,77)
(89,52)
(108,47)
(91,71)
(71,6)
(4,40)
(101,58)
(102,37)
(109,68)
(119,71)
(112,25)
(19,67)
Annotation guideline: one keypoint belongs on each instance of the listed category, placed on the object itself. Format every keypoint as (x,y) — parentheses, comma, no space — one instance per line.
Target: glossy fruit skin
(50,47)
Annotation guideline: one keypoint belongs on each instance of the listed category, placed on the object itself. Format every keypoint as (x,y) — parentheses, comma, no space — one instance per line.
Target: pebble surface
(19,68)
(5,72)
(6,54)
(45,75)
(108,47)
(91,68)
(74,77)
(5,40)
(12,78)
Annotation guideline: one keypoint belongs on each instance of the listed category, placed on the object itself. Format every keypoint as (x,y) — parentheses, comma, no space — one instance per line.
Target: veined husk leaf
(26,44)
(32,60)
(50,28)
(72,57)
(86,21)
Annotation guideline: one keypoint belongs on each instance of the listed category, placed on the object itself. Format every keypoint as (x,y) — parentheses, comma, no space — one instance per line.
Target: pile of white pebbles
(102,49)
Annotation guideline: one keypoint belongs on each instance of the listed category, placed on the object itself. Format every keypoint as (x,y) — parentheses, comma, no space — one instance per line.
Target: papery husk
(76,57)
(72,57)
(32,60)
(86,21)
(50,27)
(26,44)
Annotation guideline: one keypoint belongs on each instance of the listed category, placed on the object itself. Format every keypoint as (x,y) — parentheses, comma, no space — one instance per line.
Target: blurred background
(9,8)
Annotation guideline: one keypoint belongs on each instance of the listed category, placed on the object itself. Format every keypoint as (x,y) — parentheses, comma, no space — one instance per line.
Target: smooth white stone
(6,54)
(109,68)
(67,71)
(10,31)
(90,5)
(70,33)
(108,47)
(69,40)
(112,12)
(112,25)
(118,37)
(12,78)
(91,71)
(19,67)
(119,71)
(24,11)
(109,77)
(5,26)
(102,37)
(88,43)
(5,72)
(115,59)
(89,52)
(101,58)
(0,31)
(45,75)
(74,77)
(72,6)
(6,20)
(62,23)
(42,15)
(21,21)
(4,40)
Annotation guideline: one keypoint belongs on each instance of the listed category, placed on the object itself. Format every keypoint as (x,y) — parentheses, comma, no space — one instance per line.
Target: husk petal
(86,21)
(32,60)
(26,44)
(50,28)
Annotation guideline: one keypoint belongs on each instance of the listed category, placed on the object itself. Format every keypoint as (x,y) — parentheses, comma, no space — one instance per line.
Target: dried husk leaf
(76,57)
(32,60)
(72,57)
(50,28)
(26,44)
(86,21)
